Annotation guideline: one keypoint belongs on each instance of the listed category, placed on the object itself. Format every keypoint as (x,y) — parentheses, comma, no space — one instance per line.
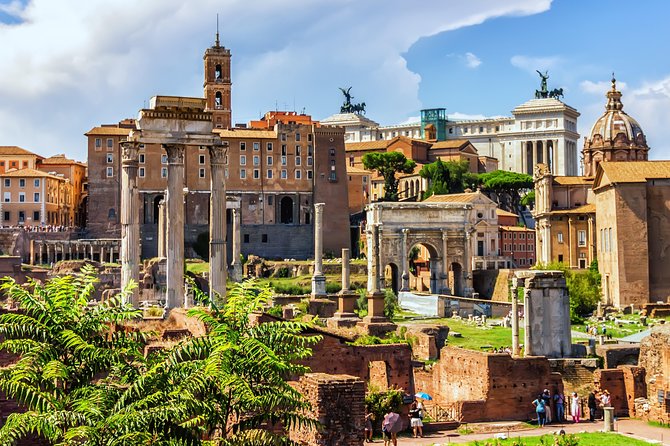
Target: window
(22,182)
(611,240)
(110,158)
(581,238)
(22,216)
(243,173)
(297,150)
(243,160)
(559,237)
(283,136)
(246,238)
(257,160)
(25,164)
(283,174)
(8,197)
(98,143)
(142,158)
(269,174)
(257,146)
(37,182)
(264,238)
(201,159)
(309,137)
(298,174)
(201,172)
(309,175)
(110,172)
(297,136)
(310,161)
(257,173)
(283,160)
(164,159)
(36,215)
(164,172)
(269,147)
(36,197)
(298,160)
(270,160)
(283,149)
(332,151)
(110,143)
(22,197)
(243,145)
(141,172)
(8,182)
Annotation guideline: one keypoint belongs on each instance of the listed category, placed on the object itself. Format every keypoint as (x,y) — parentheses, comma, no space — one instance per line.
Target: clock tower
(217,84)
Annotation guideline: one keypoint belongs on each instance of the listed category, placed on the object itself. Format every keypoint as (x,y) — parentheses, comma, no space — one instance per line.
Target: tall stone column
(404,258)
(467,265)
(92,252)
(162,229)
(527,326)
(217,222)
(515,317)
(445,263)
(236,264)
(41,260)
(344,316)
(318,279)
(545,150)
(175,225)
(130,220)
(102,253)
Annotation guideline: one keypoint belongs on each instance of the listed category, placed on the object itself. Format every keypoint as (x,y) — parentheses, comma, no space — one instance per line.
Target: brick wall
(338,403)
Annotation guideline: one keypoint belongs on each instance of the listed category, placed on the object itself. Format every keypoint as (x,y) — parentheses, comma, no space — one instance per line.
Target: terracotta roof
(451,144)
(60,159)
(108,131)
(367,145)
(358,170)
(15,150)
(466,197)
(631,172)
(30,173)
(571,181)
(585,209)
(246,133)
(516,228)
(504,213)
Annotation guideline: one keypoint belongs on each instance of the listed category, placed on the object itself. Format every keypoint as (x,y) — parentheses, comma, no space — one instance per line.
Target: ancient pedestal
(175,226)
(546,314)
(130,222)
(318,279)
(236,264)
(217,223)
(344,316)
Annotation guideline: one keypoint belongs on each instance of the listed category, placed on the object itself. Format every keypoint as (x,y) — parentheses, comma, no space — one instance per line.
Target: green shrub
(361,306)
(332,288)
(283,272)
(380,403)
(391,306)
(275,311)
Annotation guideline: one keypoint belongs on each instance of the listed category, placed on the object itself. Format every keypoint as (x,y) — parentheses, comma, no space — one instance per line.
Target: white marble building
(539,131)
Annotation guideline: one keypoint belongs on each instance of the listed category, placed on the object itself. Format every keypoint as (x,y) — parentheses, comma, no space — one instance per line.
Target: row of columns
(528,164)
(173,222)
(74,251)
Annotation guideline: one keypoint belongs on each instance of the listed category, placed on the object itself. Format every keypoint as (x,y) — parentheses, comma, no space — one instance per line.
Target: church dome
(615,127)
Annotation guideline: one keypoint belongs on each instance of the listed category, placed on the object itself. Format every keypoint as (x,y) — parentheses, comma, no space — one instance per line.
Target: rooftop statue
(348,107)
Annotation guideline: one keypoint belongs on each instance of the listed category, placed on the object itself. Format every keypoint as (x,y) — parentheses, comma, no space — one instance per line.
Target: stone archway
(286,210)
(456,278)
(425,271)
(392,277)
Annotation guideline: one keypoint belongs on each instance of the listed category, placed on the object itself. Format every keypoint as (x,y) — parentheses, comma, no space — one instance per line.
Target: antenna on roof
(216,43)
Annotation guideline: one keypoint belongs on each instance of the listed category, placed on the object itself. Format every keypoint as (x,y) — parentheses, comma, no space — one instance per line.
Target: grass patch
(589,439)
(197,268)
(658,424)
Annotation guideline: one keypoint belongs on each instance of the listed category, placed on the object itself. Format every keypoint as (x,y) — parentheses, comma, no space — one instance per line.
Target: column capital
(404,231)
(318,207)
(217,153)
(175,153)
(129,152)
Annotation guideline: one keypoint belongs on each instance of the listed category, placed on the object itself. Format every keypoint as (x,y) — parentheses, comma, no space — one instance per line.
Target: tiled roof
(358,170)
(108,131)
(29,173)
(246,133)
(504,213)
(466,197)
(585,209)
(450,144)
(367,145)
(15,150)
(60,159)
(631,172)
(571,181)
(516,228)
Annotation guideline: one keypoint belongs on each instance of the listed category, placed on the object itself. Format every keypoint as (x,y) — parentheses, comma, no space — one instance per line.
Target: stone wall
(338,403)
(488,386)
(624,384)
(655,358)
(615,355)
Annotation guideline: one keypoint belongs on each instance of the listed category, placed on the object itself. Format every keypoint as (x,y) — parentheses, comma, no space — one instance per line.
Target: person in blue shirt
(540,409)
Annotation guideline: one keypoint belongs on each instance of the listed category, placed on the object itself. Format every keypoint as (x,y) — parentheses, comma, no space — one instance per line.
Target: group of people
(502,350)
(40,228)
(594,331)
(389,428)
(543,406)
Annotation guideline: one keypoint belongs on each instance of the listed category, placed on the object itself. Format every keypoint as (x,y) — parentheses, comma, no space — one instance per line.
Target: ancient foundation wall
(655,358)
(615,355)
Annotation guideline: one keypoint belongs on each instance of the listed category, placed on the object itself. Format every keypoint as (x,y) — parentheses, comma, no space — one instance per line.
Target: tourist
(591,402)
(415,419)
(388,429)
(368,426)
(559,401)
(540,410)
(605,400)
(575,407)
(546,396)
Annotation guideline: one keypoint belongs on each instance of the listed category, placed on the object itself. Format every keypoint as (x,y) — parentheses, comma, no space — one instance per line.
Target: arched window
(286,210)
(217,99)
(217,72)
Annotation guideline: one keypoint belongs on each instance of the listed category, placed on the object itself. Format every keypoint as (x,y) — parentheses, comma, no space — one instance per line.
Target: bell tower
(217,83)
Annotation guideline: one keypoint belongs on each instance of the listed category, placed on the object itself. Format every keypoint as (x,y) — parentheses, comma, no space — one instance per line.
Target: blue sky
(69,65)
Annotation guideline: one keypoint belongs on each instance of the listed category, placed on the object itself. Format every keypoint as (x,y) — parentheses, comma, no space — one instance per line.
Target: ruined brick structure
(338,403)
(625,384)
(655,358)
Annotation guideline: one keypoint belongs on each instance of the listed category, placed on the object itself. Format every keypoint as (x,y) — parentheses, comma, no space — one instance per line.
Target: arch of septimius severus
(179,124)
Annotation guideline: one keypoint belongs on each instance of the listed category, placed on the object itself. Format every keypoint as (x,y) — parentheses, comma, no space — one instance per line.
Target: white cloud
(531,64)
(600,87)
(74,64)
(13,8)
(472,61)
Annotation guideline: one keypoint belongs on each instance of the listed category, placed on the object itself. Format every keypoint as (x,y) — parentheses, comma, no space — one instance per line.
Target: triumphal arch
(443,229)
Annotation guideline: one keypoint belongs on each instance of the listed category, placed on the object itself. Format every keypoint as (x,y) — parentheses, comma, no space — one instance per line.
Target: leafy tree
(387,165)
(528,200)
(506,187)
(449,177)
